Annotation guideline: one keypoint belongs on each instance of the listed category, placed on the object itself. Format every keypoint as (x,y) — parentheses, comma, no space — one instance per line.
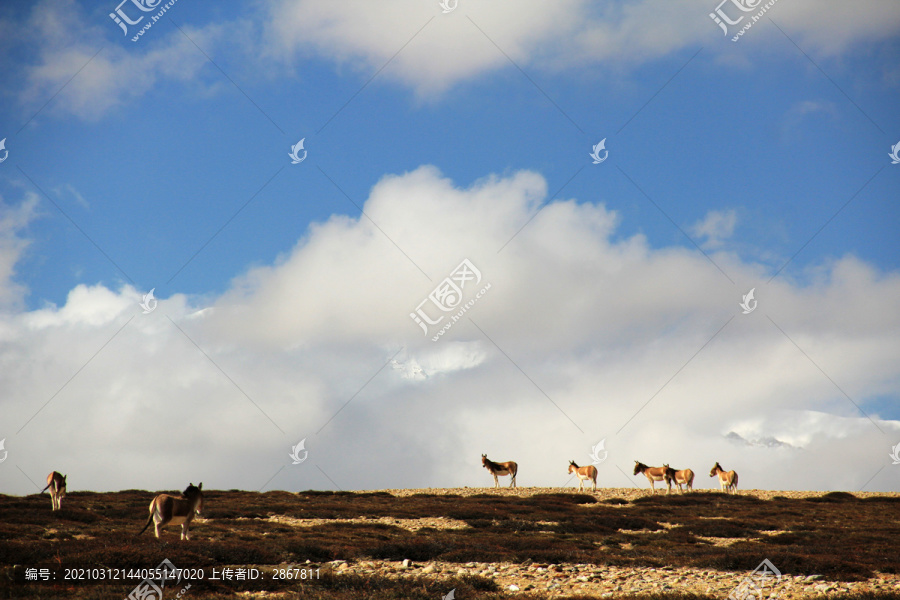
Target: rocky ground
(597,580)
(608,581)
(483,542)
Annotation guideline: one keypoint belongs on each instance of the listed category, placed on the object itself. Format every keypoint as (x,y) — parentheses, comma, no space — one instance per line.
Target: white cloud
(551,36)
(716,227)
(67,44)
(579,324)
(12,220)
(449,48)
(472,41)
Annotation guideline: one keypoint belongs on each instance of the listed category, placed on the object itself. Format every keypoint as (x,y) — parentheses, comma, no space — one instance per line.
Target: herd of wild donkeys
(173,510)
(685,477)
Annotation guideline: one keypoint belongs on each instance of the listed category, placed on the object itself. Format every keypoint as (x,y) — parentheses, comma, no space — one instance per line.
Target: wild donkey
(684,477)
(505,468)
(166,509)
(728,480)
(653,474)
(57,485)
(584,473)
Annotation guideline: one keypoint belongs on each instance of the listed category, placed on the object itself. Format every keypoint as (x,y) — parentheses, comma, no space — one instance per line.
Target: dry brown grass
(839,536)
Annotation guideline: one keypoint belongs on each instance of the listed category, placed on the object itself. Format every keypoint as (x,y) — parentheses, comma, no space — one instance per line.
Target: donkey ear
(200,487)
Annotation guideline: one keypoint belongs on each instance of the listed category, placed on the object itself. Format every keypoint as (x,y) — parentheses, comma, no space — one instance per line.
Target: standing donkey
(505,468)
(653,474)
(166,509)
(57,485)
(685,477)
(728,480)
(584,473)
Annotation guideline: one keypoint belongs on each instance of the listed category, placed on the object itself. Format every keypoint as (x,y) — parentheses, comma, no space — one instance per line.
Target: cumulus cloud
(12,220)
(583,336)
(422,48)
(472,40)
(108,75)
(444,52)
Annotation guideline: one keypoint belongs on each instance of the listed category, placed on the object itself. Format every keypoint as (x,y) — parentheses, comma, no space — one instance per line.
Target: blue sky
(775,139)
(169,159)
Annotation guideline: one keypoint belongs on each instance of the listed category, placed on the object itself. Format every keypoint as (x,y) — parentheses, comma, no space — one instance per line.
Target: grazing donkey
(728,480)
(57,485)
(653,474)
(505,468)
(166,509)
(684,477)
(584,473)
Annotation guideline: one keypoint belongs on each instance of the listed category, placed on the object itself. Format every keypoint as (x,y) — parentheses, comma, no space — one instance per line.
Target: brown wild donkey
(653,474)
(166,509)
(584,473)
(684,477)
(57,485)
(728,480)
(504,468)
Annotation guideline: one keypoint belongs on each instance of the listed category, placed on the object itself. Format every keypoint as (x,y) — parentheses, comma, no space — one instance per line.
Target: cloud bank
(477,37)
(418,46)
(584,335)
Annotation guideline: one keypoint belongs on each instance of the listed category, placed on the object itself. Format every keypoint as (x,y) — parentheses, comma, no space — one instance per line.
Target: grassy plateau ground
(479,543)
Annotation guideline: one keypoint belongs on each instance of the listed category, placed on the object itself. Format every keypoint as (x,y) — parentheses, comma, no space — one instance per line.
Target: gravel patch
(609,581)
(610,493)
